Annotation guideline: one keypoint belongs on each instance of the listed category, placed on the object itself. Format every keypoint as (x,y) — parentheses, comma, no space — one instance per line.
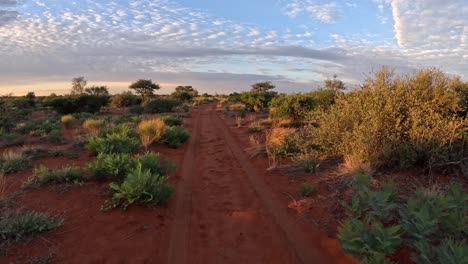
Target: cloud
(323,12)
(7,16)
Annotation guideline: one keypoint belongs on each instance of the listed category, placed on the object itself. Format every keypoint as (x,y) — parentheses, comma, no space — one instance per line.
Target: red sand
(227,209)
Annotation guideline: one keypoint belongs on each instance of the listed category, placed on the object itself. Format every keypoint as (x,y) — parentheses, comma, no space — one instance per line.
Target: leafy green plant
(156,163)
(140,186)
(12,162)
(44,176)
(172,120)
(160,105)
(113,165)
(306,190)
(369,240)
(175,136)
(113,143)
(22,225)
(452,252)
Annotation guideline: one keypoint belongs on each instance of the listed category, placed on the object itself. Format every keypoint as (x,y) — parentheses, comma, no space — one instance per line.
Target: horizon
(223,47)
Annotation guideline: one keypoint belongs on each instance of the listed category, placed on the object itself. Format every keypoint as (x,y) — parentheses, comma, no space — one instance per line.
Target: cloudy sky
(224,45)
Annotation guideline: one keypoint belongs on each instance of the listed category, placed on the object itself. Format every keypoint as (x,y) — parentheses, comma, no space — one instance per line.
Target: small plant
(151,130)
(140,186)
(156,163)
(55,136)
(306,190)
(172,120)
(175,136)
(309,163)
(369,240)
(111,165)
(67,121)
(255,127)
(93,126)
(16,227)
(44,176)
(56,152)
(451,251)
(12,162)
(113,143)
(239,121)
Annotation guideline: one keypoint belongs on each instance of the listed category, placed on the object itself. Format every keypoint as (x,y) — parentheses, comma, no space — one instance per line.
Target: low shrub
(125,99)
(175,136)
(156,163)
(308,162)
(294,107)
(114,165)
(140,186)
(42,126)
(160,105)
(67,121)
(137,109)
(56,152)
(44,176)
(151,130)
(12,162)
(11,139)
(120,139)
(255,127)
(18,226)
(94,126)
(172,120)
(55,136)
(306,190)
(78,103)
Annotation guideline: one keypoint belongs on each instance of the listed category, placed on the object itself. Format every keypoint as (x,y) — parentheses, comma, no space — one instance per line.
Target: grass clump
(94,126)
(113,165)
(12,162)
(140,186)
(156,163)
(255,127)
(18,226)
(55,136)
(151,130)
(45,176)
(306,190)
(67,121)
(175,136)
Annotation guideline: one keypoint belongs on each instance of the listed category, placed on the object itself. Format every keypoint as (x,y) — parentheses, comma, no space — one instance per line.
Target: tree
(78,85)
(185,93)
(145,88)
(334,84)
(97,90)
(262,87)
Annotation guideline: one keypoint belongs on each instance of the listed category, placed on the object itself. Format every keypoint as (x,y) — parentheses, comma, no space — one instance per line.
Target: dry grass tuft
(93,126)
(151,130)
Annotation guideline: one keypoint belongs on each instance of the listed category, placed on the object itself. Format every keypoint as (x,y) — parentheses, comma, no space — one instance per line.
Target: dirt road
(225,213)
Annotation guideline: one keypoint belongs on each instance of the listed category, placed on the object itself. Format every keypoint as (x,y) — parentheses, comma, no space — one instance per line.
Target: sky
(221,46)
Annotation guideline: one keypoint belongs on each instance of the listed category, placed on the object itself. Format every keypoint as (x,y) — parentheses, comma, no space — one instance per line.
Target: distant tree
(53,95)
(30,96)
(262,87)
(185,93)
(78,85)
(145,88)
(334,84)
(97,90)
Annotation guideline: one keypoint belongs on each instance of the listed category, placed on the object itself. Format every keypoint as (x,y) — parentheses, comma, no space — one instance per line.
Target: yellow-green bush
(151,130)
(93,126)
(67,121)
(394,120)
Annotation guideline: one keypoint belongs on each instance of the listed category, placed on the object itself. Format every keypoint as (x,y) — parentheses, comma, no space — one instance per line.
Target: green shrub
(294,107)
(369,241)
(396,122)
(56,152)
(83,116)
(175,136)
(111,165)
(11,139)
(137,109)
(451,251)
(140,186)
(12,162)
(308,162)
(75,104)
(156,163)
(160,105)
(44,176)
(42,126)
(306,190)
(172,120)
(19,226)
(125,99)
(55,136)
(112,143)
(255,127)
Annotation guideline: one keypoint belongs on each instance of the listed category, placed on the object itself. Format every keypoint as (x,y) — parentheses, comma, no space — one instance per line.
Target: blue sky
(224,46)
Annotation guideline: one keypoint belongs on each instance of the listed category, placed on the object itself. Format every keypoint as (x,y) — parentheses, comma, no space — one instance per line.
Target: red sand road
(225,213)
